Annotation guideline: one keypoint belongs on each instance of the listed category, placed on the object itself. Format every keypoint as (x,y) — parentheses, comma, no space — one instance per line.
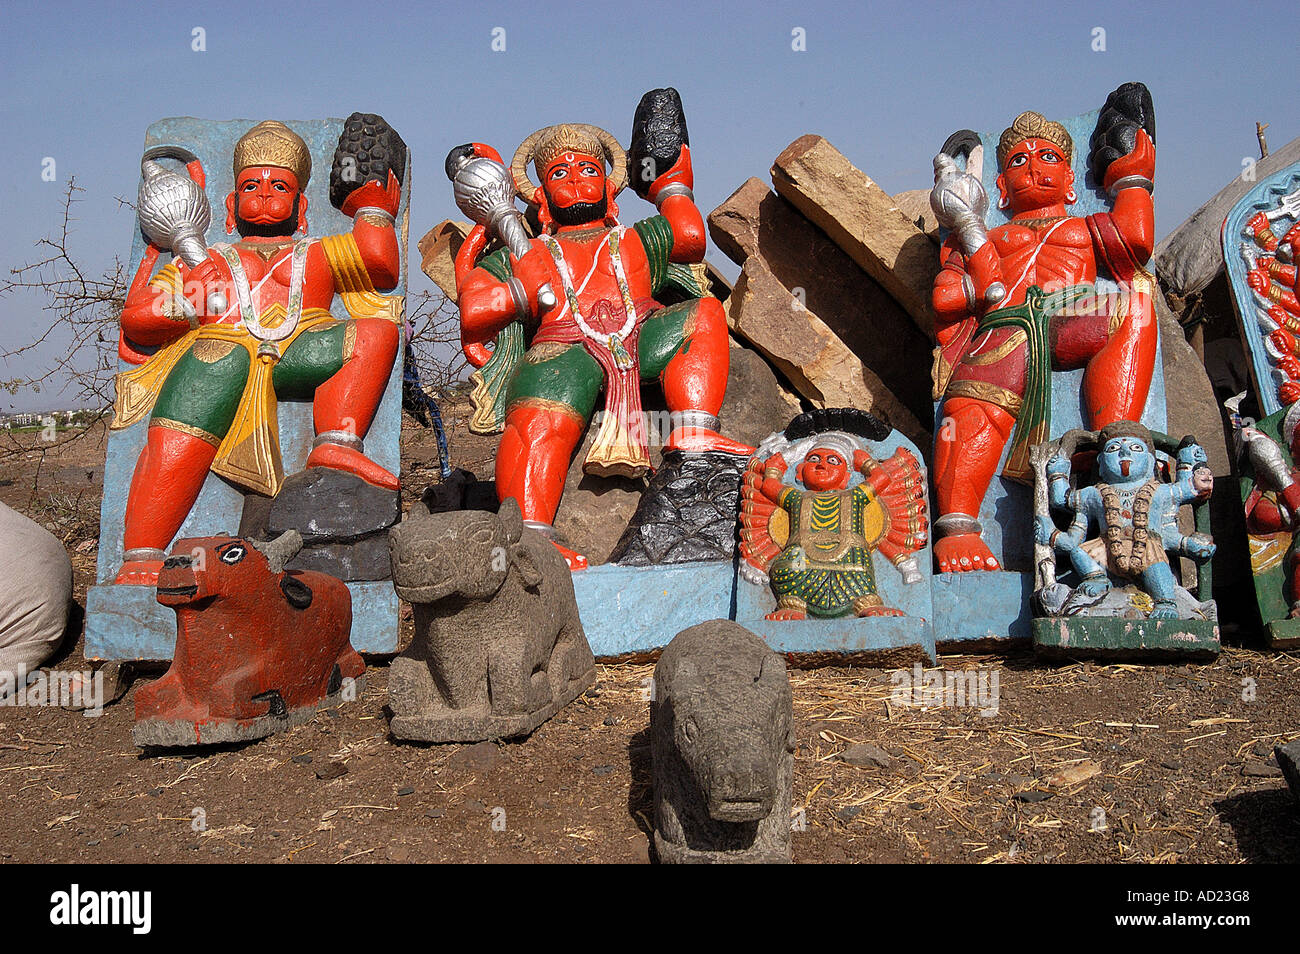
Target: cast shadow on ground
(1266,824)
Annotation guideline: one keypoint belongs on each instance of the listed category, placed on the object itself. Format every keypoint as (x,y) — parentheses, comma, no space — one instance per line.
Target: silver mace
(485,192)
(960,204)
(174,213)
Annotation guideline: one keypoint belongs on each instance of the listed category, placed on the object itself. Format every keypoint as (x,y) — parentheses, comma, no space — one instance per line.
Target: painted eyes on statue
(831,459)
(1046,156)
(277,185)
(586,169)
(1134,447)
(232,555)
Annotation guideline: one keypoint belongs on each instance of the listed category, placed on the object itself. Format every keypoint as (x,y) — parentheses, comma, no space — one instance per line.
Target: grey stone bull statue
(723,748)
(498,645)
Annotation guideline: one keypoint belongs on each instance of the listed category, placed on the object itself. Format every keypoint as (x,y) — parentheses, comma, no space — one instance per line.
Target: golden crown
(272,143)
(1032,125)
(566,137)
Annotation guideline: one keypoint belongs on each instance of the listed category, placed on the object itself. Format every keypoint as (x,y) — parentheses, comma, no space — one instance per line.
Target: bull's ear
(512,518)
(281,550)
(295,591)
(523,560)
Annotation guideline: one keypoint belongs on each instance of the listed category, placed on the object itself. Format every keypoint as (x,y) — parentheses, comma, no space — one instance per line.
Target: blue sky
(886,83)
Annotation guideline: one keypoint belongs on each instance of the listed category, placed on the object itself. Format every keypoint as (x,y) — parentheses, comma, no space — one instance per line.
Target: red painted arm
(379,252)
(486,307)
(1134,211)
(145,314)
(772,486)
(689,239)
(1264,516)
(949,295)
(377,241)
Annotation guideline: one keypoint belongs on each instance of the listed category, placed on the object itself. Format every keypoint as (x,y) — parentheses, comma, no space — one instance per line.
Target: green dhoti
(203,390)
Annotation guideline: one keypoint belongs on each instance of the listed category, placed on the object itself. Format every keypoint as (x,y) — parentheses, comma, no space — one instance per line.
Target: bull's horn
(281,550)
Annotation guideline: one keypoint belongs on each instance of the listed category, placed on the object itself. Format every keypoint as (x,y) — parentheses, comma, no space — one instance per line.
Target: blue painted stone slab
(639,609)
(118,626)
(128,622)
(974,609)
(884,641)
(891,640)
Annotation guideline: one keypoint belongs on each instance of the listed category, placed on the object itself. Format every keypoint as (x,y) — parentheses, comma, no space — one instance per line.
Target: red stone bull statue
(258,650)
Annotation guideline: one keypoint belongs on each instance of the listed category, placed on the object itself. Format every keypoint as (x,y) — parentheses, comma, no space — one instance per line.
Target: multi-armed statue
(1261,253)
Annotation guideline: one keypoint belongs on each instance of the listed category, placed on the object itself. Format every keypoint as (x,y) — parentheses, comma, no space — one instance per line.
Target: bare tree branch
(435,339)
(85,310)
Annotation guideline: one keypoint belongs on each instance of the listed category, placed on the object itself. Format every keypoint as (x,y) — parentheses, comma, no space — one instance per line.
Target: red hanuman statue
(606,329)
(1015,302)
(238,325)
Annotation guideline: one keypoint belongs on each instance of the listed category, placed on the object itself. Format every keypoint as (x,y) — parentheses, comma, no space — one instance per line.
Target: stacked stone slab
(835,284)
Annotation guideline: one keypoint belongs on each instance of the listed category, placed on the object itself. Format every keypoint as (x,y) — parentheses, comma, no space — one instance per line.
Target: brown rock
(915,206)
(1071,775)
(862,219)
(595,511)
(755,221)
(479,757)
(820,366)
(438,251)
(866,755)
(757,403)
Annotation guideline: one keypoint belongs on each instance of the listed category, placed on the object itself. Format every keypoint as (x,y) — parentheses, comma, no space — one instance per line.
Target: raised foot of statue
(702,439)
(139,572)
(575,560)
(963,552)
(337,457)
(787,613)
(880,611)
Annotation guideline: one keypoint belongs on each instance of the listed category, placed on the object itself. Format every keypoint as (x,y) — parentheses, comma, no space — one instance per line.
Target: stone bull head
(722,741)
(730,733)
(466,553)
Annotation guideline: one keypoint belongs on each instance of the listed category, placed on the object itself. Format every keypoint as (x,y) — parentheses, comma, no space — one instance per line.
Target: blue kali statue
(1136,513)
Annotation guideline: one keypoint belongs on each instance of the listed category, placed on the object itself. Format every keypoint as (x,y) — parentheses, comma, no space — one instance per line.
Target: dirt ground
(1073,762)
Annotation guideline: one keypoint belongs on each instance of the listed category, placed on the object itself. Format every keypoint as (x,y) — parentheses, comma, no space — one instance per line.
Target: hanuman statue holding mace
(588,293)
(1018,301)
(221,333)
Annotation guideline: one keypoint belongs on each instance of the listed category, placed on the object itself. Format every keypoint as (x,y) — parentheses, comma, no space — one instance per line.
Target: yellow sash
(249,454)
